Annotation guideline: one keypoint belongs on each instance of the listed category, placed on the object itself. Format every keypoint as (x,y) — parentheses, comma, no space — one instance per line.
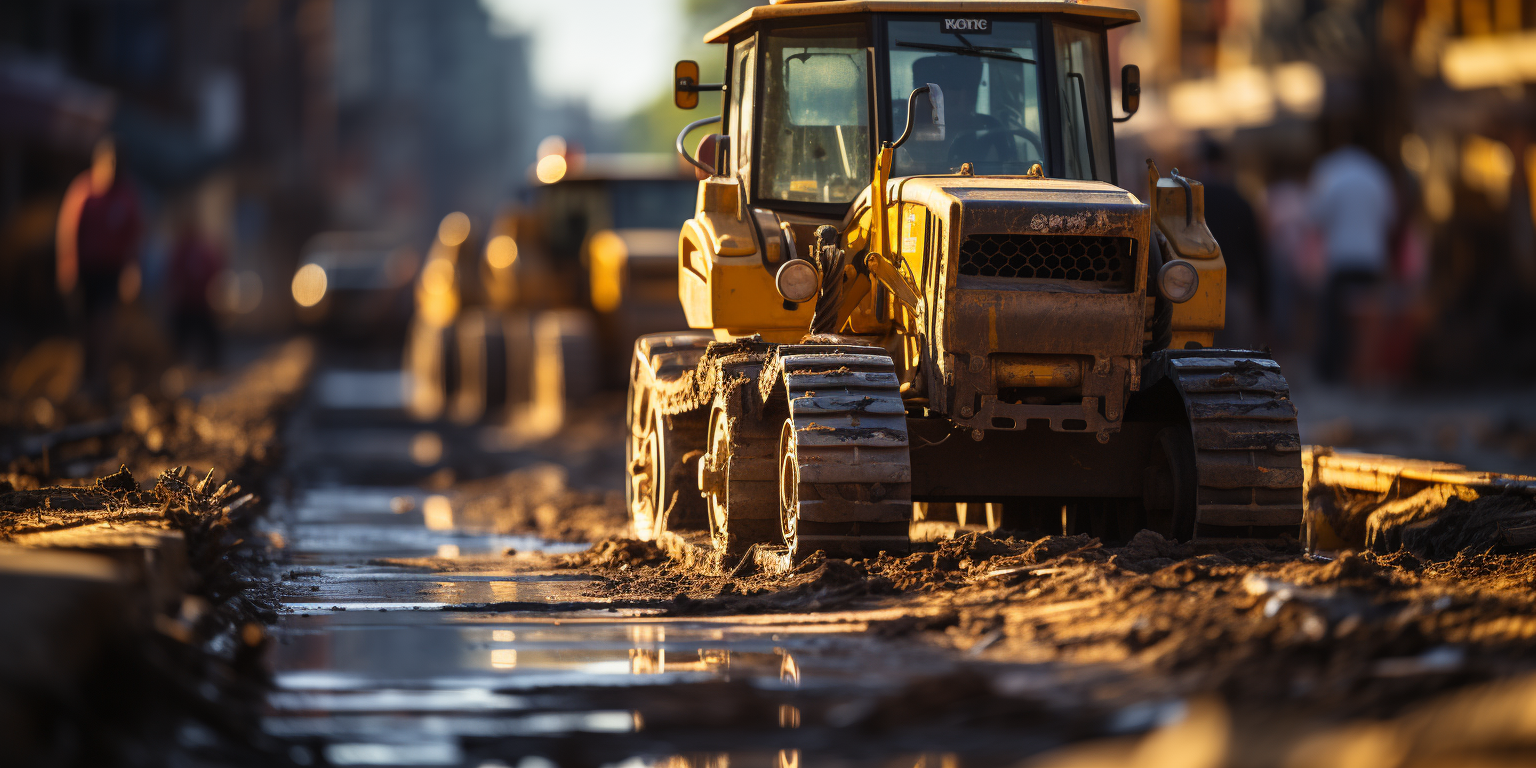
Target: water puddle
(497,665)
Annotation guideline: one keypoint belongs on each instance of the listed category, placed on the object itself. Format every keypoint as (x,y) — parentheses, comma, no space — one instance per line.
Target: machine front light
(797,281)
(501,252)
(1178,281)
(550,169)
(607,254)
(453,230)
(309,284)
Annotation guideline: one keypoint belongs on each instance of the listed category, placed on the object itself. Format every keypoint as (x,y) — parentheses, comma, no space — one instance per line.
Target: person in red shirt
(195,263)
(97,247)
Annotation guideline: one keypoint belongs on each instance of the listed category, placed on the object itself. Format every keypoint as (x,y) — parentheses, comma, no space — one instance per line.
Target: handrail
(681,151)
(1189,197)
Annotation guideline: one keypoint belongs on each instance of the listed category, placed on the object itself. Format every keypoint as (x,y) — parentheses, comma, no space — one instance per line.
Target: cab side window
(1084,103)
(743,80)
(815,114)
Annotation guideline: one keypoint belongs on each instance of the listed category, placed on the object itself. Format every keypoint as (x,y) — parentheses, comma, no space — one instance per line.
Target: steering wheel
(992,139)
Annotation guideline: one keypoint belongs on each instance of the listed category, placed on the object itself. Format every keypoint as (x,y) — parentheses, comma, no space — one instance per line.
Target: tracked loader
(915,281)
(514,331)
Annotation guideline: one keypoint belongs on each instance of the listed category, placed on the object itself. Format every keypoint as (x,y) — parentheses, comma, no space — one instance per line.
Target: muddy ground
(1414,648)
(175,667)
(1270,650)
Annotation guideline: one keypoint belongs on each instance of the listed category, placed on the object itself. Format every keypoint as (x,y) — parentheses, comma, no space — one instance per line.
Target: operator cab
(1018,89)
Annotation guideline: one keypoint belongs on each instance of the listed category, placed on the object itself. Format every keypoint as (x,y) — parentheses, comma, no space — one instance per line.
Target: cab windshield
(990,76)
(990,72)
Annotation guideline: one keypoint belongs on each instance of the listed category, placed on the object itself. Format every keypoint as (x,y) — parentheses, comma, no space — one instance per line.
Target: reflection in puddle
(358,727)
(791,758)
(716,661)
(446,753)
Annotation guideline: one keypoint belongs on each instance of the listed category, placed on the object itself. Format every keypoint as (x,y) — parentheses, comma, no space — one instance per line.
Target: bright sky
(618,54)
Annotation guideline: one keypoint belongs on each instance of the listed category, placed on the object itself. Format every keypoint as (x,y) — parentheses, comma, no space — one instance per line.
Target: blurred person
(1236,228)
(96,247)
(1353,206)
(1291,248)
(195,264)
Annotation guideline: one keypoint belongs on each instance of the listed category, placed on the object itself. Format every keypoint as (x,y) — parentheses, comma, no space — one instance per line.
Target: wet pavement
(380,663)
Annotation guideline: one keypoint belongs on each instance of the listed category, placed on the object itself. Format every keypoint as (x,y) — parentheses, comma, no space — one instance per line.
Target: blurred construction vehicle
(916,279)
(355,284)
(548,310)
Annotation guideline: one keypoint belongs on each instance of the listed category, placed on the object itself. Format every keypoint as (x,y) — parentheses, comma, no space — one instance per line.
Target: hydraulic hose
(684,134)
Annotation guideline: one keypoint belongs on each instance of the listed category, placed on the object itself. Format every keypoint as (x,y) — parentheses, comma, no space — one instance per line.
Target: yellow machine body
(915,277)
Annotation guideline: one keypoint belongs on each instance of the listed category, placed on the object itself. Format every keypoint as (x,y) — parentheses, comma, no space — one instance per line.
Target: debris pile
(539,499)
(141,610)
(234,428)
(153,594)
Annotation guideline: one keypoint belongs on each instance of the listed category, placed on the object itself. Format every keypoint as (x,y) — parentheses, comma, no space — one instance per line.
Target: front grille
(1106,262)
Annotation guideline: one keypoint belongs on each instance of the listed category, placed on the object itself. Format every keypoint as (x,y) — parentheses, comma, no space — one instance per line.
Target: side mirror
(1130,91)
(685,85)
(925,115)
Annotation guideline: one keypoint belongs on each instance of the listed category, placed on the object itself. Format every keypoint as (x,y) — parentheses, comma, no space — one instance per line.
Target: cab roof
(784,9)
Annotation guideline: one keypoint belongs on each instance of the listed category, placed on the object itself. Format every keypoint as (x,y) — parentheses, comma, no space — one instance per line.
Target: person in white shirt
(1353,207)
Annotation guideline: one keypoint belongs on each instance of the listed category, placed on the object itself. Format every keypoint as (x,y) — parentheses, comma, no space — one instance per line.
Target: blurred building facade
(258,123)
(1440,91)
(435,112)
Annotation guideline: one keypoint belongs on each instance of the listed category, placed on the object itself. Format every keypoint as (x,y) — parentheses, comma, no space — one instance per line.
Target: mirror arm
(911,113)
(684,152)
(687,85)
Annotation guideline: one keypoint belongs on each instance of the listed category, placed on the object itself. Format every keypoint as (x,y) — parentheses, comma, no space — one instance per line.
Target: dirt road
(435,620)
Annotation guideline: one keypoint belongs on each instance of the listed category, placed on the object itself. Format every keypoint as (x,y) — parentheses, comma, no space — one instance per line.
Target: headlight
(501,252)
(309,285)
(797,281)
(1178,281)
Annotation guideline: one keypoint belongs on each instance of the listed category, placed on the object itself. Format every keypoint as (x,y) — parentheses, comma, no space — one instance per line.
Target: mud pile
(164,658)
(234,428)
(540,500)
(1356,635)
(179,645)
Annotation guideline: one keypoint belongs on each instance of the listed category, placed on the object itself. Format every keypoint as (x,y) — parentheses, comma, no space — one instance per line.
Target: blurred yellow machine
(517,320)
(918,287)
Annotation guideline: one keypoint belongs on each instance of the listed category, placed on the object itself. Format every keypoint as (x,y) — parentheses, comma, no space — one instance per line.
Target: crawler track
(845,477)
(740,477)
(1247,450)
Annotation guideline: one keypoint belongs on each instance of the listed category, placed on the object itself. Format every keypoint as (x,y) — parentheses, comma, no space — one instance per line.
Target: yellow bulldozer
(519,320)
(916,284)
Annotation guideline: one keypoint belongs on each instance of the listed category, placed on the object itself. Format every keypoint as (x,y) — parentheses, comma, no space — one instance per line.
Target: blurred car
(356,284)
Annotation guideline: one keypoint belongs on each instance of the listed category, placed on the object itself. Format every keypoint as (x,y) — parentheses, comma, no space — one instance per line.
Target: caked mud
(1319,639)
